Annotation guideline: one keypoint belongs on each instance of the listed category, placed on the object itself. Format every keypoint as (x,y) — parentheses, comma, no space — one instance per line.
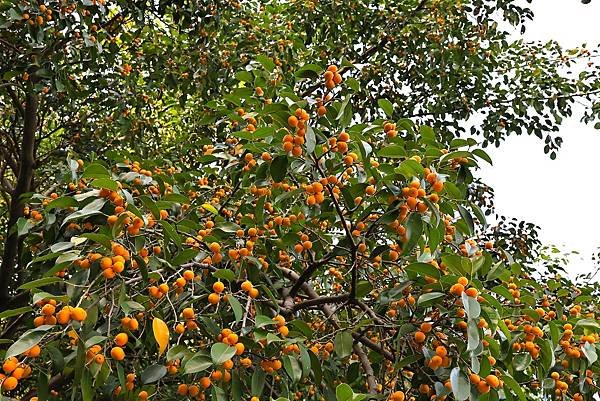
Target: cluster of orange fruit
(389,129)
(332,77)
(297,121)
(49,316)
(304,244)
(113,265)
(44,14)
(14,370)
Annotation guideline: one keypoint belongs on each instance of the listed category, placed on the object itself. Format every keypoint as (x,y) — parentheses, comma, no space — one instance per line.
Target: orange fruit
(48,309)
(79,314)
(117,353)
(214,298)
(121,339)
(10,383)
(218,287)
(247,286)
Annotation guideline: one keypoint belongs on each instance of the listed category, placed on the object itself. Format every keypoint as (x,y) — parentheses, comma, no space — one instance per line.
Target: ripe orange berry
(99,359)
(426,327)
(492,381)
(214,298)
(188,313)
(463,280)
(9,365)
(247,286)
(64,315)
(218,287)
(121,339)
(182,389)
(48,309)
(293,121)
(117,353)
(78,314)
(419,337)
(457,289)
(472,292)
(205,382)
(10,383)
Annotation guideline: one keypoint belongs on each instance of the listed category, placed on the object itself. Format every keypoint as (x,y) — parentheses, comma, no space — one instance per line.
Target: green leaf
(473,339)
(87,392)
(236,307)
(343,392)
(292,368)
(27,340)
(39,283)
(424,269)
(153,373)
(590,352)
(150,205)
(429,297)
(210,208)
(102,239)
(184,256)
(427,133)
(266,62)
(105,183)
(198,363)
(521,361)
(483,155)
(278,168)
(62,202)
(95,170)
(311,140)
(90,209)
(171,233)
(414,230)
(513,385)
(258,381)
(386,106)
(262,321)
(309,71)
(410,168)
(471,306)
(221,352)
(23,226)
(466,216)
(15,312)
(461,387)
(392,151)
(224,274)
(342,344)
(588,323)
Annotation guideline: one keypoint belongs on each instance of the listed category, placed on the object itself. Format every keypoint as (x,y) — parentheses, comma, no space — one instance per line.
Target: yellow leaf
(161,334)
(210,208)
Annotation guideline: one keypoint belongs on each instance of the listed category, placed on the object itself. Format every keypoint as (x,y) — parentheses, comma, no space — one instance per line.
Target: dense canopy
(275,200)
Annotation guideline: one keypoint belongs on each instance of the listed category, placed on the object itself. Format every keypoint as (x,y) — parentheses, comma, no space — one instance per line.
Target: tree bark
(23,186)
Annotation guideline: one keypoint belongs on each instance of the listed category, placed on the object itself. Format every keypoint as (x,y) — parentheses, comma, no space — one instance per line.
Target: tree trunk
(23,185)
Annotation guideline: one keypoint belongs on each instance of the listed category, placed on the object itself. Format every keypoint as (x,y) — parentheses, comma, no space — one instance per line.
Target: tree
(305,256)
(92,76)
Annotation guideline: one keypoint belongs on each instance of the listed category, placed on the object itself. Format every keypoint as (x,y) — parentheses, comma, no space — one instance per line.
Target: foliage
(305,256)
(248,224)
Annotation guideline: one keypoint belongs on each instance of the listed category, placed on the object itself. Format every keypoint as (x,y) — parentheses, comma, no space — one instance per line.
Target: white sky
(559,195)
